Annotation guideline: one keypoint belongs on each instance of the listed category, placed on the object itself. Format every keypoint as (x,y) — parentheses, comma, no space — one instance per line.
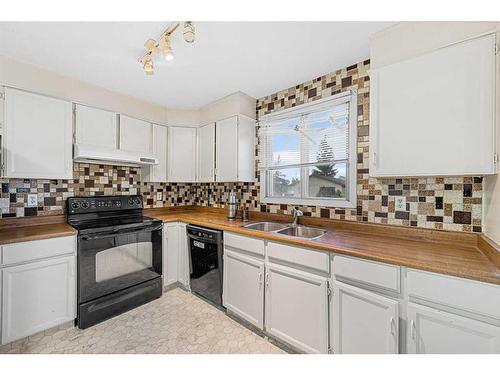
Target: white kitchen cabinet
(243,285)
(431,331)
(96,127)
(429,116)
(363,322)
(235,149)
(136,135)
(206,153)
(37,140)
(157,173)
(296,308)
(181,154)
(175,255)
(37,296)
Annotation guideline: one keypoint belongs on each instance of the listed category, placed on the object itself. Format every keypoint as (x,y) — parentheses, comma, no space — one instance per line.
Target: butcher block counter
(467,255)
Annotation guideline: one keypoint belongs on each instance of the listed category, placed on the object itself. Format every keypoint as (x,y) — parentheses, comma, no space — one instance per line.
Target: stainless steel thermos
(231,207)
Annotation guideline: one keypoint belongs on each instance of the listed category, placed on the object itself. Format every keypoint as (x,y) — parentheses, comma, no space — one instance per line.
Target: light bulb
(188,33)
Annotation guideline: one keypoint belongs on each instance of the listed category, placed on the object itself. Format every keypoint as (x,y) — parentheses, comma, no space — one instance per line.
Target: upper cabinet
(206,153)
(136,135)
(181,154)
(157,173)
(96,127)
(37,136)
(235,149)
(434,114)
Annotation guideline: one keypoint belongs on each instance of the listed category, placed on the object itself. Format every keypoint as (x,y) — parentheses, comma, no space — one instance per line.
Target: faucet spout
(296,214)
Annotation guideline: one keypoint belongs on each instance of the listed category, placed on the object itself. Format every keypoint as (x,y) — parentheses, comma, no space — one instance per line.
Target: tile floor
(178,322)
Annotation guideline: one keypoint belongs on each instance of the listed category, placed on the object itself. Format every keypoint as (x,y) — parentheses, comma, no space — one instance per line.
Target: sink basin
(266,226)
(302,232)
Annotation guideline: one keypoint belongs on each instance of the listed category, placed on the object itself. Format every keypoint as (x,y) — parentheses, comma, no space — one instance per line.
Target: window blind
(313,135)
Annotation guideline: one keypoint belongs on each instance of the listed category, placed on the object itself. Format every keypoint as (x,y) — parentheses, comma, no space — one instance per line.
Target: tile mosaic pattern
(178,322)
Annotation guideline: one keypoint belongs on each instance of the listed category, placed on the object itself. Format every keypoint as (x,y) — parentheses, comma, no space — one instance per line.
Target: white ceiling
(257,58)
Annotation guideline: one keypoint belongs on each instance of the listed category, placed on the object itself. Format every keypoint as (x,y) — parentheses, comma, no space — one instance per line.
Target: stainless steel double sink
(300,231)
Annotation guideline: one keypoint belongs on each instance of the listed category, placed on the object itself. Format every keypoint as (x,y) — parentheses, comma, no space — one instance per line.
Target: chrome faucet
(296,213)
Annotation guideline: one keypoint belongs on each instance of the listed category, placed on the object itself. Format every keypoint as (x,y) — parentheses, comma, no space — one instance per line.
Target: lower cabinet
(243,287)
(37,296)
(431,331)
(175,255)
(363,322)
(297,308)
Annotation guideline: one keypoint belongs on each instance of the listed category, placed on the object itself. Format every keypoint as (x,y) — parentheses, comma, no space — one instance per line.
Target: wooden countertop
(35,232)
(456,254)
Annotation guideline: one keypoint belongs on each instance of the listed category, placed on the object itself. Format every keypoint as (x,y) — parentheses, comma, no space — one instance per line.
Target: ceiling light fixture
(160,52)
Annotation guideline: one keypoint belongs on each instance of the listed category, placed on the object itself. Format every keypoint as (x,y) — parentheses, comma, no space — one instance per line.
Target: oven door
(112,261)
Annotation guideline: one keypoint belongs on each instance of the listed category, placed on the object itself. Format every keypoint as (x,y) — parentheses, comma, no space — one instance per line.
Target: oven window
(123,260)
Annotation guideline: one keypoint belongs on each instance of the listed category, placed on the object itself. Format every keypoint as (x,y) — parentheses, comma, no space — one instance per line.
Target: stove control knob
(85,205)
(131,202)
(137,201)
(75,205)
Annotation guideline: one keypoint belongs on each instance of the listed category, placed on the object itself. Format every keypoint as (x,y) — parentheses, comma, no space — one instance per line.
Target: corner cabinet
(37,140)
(434,115)
(235,151)
(181,154)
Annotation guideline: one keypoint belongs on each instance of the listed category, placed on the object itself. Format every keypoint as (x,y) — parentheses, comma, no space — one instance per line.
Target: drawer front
(386,276)
(472,296)
(314,259)
(32,250)
(251,245)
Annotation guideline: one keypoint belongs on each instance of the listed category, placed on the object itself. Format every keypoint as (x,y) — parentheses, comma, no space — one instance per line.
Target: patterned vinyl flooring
(178,322)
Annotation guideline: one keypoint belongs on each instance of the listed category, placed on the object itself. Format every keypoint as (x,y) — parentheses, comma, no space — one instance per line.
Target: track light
(159,52)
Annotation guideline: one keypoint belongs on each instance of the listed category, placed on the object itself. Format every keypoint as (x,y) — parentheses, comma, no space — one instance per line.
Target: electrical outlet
(32,200)
(400,203)
(159,196)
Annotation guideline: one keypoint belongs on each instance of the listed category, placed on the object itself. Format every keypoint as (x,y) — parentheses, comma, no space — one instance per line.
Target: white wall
(237,103)
(32,78)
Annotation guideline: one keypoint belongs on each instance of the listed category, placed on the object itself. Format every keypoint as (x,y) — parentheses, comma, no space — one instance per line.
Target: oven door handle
(118,232)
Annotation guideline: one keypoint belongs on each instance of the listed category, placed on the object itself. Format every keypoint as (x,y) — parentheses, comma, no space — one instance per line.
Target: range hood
(102,155)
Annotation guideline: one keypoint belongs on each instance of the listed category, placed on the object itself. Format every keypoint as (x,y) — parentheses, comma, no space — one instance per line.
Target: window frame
(351,171)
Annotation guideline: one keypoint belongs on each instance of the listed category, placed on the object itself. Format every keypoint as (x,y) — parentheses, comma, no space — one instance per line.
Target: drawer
(386,276)
(468,295)
(314,259)
(32,250)
(249,244)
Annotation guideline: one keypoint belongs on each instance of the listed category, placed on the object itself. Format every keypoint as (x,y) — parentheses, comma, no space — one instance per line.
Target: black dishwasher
(205,250)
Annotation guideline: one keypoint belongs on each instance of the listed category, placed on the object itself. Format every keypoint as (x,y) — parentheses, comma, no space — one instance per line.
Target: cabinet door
(243,287)
(37,296)
(170,254)
(96,127)
(246,149)
(297,308)
(136,135)
(441,120)
(38,136)
(363,322)
(206,153)
(182,154)
(157,173)
(183,265)
(226,150)
(431,331)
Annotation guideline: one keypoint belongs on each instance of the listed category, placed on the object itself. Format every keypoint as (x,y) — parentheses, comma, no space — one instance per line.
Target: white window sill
(333,203)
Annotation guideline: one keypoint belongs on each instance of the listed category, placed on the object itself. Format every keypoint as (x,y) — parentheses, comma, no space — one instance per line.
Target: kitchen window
(308,153)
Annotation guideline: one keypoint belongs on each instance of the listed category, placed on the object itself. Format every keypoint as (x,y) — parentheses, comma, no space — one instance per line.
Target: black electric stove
(119,256)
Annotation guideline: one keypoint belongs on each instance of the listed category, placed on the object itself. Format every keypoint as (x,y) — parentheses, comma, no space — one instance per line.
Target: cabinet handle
(260,280)
(375,161)
(391,326)
(412,329)
(267,280)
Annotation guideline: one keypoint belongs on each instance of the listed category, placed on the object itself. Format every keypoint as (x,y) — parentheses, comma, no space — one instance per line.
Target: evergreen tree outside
(325,153)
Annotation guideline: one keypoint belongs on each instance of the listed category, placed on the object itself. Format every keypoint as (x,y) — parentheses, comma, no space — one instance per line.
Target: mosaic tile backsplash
(450,203)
